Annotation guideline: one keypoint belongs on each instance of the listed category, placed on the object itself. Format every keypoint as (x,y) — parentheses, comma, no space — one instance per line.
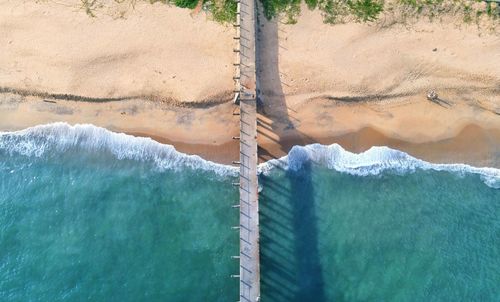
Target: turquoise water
(89,215)
(424,236)
(78,224)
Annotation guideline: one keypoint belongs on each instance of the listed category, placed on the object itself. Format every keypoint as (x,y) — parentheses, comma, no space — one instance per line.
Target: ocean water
(88,215)
(91,215)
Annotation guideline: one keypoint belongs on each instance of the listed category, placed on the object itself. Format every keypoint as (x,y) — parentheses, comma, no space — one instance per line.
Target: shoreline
(473,145)
(462,133)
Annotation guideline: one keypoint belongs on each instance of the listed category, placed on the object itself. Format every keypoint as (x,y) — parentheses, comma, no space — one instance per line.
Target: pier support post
(249,205)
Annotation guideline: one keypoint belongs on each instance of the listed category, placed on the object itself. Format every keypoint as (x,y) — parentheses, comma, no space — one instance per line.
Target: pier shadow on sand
(290,262)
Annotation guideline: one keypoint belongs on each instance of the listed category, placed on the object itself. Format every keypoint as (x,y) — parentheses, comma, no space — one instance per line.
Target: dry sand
(154,50)
(354,84)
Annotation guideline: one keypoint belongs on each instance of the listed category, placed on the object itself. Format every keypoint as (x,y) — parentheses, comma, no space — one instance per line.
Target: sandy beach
(165,73)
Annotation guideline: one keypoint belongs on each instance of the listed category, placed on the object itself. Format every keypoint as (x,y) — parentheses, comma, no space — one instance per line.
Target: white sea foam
(52,139)
(371,162)
(58,137)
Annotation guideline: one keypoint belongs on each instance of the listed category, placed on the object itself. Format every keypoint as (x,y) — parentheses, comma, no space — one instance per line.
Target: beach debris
(123,113)
(47,101)
(432,96)
(435,49)
(236,97)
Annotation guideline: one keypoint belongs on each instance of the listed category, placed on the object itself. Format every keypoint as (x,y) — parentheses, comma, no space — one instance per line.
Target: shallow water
(86,214)
(80,225)
(423,236)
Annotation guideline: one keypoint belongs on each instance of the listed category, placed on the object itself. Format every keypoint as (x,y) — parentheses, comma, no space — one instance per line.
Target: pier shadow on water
(290,261)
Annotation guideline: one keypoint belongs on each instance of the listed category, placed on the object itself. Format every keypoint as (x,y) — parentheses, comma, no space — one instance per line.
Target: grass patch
(333,11)
(186,3)
(470,10)
(223,11)
(365,10)
(289,8)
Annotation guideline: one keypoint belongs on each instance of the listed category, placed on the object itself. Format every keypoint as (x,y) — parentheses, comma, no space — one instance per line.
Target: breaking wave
(371,162)
(51,139)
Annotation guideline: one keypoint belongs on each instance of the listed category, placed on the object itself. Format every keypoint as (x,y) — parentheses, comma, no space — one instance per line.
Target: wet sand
(462,134)
(473,145)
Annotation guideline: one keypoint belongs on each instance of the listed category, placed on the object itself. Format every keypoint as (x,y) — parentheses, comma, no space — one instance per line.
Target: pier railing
(245,96)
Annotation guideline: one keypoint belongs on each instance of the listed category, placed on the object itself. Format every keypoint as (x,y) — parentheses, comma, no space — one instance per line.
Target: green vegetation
(90,6)
(223,11)
(469,10)
(333,11)
(365,10)
(186,3)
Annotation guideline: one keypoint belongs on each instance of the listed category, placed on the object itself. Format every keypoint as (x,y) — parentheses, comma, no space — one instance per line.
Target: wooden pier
(249,275)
